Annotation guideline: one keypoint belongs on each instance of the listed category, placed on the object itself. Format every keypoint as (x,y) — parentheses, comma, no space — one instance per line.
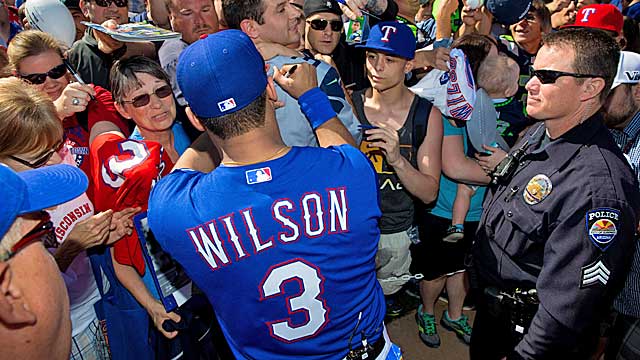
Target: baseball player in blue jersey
(281,239)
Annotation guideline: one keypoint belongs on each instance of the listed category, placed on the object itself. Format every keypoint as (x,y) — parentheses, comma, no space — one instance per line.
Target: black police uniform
(563,225)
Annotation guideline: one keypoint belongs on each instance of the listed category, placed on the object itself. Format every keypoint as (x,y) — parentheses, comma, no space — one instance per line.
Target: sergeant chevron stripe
(594,273)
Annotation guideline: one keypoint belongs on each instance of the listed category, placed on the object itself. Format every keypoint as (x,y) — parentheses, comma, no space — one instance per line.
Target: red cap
(599,16)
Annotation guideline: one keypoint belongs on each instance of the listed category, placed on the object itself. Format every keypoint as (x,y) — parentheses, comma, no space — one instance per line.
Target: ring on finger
(75,101)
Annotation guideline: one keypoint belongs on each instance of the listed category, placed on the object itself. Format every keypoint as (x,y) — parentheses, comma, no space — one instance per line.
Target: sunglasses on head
(37,79)
(321,24)
(38,233)
(550,76)
(106,3)
(42,160)
(144,99)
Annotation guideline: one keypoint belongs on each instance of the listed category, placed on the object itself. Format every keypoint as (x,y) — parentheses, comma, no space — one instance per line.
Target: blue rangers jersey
(284,250)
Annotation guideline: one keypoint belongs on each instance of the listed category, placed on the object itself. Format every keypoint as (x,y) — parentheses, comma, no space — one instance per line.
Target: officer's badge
(594,273)
(538,188)
(602,226)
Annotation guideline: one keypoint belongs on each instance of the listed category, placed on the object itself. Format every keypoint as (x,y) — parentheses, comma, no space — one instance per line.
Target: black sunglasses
(106,3)
(42,160)
(37,79)
(550,76)
(144,99)
(321,24)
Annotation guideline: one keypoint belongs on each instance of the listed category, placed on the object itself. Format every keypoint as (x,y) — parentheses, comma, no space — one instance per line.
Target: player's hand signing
(106,43)
(121,224)
(296,79)
(159,315)
(388,141)
(74,98)
(489,162)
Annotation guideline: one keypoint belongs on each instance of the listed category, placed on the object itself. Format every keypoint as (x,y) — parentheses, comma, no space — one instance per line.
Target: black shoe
(394,308)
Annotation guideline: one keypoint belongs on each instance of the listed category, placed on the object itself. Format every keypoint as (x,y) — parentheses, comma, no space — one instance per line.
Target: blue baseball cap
(221,74)
(508,12)
(393,38)
(33,190)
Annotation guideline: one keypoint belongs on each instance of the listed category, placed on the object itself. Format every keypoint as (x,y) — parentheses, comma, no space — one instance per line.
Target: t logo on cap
(387,30)
(586,13)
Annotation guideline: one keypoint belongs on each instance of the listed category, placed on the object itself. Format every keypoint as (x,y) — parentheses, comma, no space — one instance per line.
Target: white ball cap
(628,69)
(52,17)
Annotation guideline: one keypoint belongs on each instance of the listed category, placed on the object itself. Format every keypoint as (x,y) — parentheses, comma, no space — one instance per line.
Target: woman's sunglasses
(550,76)
(142,100)
(321,24)
(42,160)
(38,233)
(37,79)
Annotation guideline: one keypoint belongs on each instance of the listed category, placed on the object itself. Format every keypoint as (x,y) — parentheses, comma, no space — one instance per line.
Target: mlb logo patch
(227,105)
(257,176)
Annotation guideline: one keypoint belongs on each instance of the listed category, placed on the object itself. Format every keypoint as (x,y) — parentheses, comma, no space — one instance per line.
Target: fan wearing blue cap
(403,153)
(34,306)
(281,239)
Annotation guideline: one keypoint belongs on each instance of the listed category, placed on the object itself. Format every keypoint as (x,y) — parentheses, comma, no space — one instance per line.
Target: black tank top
(396,203)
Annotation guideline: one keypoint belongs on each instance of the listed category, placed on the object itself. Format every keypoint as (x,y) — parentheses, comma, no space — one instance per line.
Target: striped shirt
(629,141)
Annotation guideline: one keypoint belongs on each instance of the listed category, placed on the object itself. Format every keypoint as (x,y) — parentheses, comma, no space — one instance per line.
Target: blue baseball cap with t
(221,74)
(28,191)
(392,38)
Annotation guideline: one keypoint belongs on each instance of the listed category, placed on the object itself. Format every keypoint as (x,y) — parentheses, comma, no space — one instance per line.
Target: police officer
(555,239)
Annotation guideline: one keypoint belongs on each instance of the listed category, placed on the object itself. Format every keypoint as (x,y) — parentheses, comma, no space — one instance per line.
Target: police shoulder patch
(602,226)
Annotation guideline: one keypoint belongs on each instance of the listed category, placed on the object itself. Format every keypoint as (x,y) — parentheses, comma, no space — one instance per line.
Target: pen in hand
(76,75)
(291,71)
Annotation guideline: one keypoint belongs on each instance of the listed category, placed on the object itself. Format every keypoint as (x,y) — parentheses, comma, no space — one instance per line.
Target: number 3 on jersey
(132,154)
(308,300)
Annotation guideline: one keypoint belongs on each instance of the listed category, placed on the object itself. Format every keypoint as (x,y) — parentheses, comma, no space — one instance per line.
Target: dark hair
(237,10)
(539,9)
(476,47)
(594,53)
(123,75)
(631,35)
(240,122)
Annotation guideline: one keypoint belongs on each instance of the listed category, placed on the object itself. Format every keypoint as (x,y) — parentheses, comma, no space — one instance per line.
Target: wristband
(316,107)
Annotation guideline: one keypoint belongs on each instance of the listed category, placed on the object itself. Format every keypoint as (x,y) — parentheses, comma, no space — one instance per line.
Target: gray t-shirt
(169,53)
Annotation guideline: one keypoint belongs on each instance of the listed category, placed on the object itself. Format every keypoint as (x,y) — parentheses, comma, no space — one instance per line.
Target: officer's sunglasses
(36,79)
(38,233)
(106,3)
(41,160)
(321,24)
(144,99)
(550,76)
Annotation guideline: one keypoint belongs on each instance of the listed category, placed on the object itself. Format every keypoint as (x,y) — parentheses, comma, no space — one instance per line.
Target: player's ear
(122,110)
(194,120)
(271,89)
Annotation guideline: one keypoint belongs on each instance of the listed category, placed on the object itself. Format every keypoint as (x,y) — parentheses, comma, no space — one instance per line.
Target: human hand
(353,8)
(489,162)
(74,98)
(470,17)
(121,224)
(271,50)
(446,8)
(92,231)
(387,140)
(302,79)
(159,315)
(106,43)
(437,58)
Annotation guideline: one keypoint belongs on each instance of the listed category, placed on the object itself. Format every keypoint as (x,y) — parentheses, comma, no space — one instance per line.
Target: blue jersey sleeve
(170,200)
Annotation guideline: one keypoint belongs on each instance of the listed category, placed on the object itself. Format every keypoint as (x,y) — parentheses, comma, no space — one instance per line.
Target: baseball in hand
(475,4)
